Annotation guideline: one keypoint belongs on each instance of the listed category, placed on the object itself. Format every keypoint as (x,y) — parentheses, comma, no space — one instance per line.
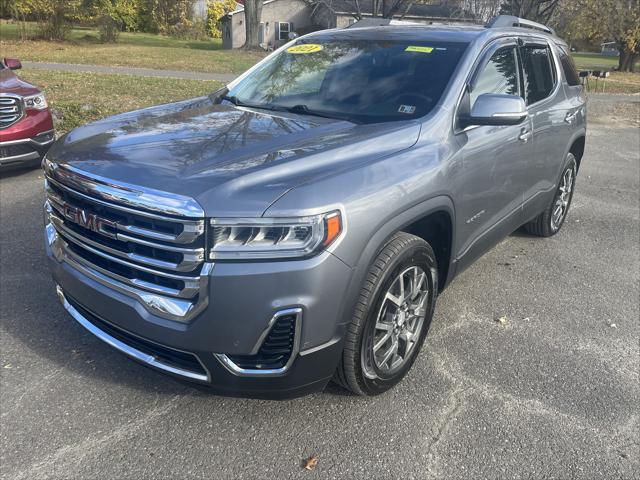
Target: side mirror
(292,35)
(12,63)
(497,109)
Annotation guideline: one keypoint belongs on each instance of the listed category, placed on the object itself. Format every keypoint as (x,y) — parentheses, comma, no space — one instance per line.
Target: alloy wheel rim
(561,205)
(399,322)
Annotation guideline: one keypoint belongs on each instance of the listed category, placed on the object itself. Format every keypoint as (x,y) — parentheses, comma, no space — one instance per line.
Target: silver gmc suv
(297,226)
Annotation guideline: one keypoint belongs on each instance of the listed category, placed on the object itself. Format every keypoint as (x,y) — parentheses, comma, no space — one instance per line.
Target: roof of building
(415,9)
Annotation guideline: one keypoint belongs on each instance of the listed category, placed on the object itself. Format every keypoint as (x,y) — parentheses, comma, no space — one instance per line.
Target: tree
(606,20)
(54,17)
(381,8)
(252,15)
(482,10)
(536,10)
(216,10)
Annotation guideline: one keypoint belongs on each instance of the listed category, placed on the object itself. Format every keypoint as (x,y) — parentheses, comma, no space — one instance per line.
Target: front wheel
(392,317)
(548,223)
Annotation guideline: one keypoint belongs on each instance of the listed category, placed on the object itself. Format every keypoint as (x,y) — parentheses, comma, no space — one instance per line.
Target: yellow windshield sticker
(305,48)
(414,48)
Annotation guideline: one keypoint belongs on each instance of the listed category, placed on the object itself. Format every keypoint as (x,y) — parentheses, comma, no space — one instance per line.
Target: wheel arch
(577,149)
(417,220)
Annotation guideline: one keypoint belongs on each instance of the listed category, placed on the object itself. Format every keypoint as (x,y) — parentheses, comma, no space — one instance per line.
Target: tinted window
(499,75)
(569,68)
(538,74)
(362,80)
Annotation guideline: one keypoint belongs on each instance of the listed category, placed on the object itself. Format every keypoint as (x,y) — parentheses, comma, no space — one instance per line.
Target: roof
(444,33)
(415,9)
(240,7)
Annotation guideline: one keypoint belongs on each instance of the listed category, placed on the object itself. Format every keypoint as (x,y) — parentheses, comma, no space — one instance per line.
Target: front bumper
(17,153)
(243,299)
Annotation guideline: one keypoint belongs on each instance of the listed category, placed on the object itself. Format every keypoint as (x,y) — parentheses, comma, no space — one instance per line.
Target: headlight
(36,102)
(264,238)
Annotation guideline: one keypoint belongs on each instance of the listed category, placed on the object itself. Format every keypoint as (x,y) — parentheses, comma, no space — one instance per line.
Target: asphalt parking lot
(553,392)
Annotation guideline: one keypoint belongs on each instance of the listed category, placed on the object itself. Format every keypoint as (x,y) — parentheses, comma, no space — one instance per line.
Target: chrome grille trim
(118,247)
(127,195)
(191,284)
(10,110)
(192,229)
(191,257)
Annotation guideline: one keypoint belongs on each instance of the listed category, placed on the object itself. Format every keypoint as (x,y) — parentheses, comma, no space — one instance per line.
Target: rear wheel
(548,223)
(391,318)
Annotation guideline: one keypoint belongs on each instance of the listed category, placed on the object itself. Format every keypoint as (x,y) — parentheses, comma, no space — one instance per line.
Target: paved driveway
(553,392)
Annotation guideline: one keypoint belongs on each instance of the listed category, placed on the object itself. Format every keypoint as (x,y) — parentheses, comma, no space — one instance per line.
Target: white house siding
(289,11)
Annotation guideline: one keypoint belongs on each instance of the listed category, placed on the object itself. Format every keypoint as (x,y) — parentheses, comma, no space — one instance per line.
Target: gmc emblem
(90,221)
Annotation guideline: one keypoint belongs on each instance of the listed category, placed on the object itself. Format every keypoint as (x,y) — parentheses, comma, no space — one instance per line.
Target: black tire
(402,252)
(543,225)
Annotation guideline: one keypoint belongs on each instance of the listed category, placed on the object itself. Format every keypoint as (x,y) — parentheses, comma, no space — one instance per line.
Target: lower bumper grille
(165,358)
(276,349)
(7,151)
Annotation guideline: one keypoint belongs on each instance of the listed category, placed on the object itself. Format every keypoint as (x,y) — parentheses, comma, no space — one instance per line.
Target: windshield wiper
(239,103)
(304,110)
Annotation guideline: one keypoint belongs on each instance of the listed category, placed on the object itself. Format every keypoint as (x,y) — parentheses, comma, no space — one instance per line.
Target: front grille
(275,351)
(10,110)
(165,355)
(145,251)
(15,150)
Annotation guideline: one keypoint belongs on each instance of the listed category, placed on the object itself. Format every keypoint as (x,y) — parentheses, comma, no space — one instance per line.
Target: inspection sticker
(416,48)
(305,48)
(409,109)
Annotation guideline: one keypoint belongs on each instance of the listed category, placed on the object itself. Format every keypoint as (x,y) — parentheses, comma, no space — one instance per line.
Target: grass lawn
(132,50)
(594,61)
(79,98)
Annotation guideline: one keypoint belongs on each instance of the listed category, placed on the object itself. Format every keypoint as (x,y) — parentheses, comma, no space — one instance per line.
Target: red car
(26,126)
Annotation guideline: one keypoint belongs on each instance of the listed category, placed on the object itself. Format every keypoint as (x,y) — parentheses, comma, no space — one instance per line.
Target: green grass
(79,98)
(618,82)
(594,61)
(132,50)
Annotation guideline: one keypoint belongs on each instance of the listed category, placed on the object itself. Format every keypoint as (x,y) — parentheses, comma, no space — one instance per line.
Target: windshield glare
(362,80)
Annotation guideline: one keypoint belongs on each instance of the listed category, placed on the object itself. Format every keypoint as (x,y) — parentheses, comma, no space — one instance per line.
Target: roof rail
(511,21)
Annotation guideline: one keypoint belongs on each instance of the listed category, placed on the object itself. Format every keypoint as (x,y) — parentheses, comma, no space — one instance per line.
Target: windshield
(365,81)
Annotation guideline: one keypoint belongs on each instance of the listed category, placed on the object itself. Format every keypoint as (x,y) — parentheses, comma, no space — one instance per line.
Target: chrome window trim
(134,196)
(276,372)
(129,350)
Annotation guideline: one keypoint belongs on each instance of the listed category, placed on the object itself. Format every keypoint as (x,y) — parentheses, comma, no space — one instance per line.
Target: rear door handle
(570,117)
(525,135)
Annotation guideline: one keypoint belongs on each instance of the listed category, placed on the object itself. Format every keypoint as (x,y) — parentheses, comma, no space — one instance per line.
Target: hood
(10,83)
(233,161)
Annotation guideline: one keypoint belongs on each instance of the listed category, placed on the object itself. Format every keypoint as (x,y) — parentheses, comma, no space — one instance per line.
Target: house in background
(342,13)
(279,17)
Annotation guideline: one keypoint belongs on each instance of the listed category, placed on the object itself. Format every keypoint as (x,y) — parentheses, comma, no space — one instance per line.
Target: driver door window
(499,75)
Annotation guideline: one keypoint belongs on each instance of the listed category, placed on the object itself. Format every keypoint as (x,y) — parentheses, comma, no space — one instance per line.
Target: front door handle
(525,135)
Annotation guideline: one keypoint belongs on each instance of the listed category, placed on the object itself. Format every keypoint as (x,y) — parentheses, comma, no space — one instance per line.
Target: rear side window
(539,76)
(499,75)
(568,67)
